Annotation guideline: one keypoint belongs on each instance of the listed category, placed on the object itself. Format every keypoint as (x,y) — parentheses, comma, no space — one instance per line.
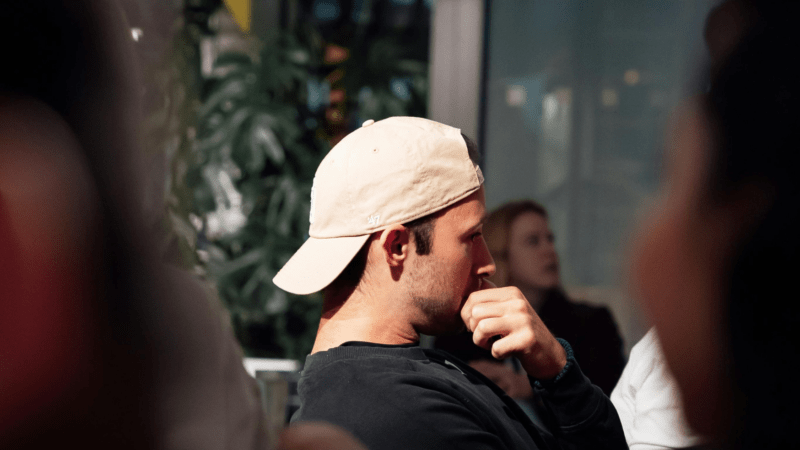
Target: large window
(577,98)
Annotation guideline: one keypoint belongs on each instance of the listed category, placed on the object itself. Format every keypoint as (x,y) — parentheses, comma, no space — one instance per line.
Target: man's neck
(358,318)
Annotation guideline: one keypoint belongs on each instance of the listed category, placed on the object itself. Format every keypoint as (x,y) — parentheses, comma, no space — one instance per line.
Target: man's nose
(485,262)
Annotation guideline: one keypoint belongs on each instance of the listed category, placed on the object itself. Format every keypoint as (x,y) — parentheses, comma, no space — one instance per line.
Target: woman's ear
(395,243)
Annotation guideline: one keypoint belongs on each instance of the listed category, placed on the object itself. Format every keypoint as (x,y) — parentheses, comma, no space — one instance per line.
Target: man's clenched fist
(503,321)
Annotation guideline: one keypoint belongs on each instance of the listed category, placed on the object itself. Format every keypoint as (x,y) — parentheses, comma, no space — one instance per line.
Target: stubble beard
(432,301)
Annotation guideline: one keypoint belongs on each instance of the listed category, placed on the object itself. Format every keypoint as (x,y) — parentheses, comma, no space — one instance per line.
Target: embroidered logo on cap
(374,219)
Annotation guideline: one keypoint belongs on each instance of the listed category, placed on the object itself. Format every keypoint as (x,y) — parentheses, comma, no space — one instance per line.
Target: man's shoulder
(396,402)
(369,368)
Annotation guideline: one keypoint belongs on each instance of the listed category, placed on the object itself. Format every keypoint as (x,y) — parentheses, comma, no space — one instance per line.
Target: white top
(648,402)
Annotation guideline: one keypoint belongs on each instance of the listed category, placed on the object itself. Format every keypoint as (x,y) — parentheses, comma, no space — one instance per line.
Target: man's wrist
(546,383)
(547,362)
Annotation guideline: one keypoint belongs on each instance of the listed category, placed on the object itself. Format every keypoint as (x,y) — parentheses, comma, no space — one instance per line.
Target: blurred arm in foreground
(101,345)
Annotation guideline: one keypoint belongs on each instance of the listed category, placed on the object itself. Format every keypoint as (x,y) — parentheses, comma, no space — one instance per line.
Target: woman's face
(532,258)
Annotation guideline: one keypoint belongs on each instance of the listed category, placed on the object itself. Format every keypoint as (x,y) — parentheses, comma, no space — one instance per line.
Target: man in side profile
(396,217)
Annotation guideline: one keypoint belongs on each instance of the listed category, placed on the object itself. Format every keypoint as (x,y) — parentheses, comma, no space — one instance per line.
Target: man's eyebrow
(484,217)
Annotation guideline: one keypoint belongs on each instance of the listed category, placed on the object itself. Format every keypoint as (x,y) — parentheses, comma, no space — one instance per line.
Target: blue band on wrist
(544,384)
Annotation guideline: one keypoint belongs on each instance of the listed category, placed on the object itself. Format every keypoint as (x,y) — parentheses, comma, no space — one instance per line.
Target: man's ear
(395,244)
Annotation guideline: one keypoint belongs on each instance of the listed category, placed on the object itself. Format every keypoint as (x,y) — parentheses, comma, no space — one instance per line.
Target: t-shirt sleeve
(582,415)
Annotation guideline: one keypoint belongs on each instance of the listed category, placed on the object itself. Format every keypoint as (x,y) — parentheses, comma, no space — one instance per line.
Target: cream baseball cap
(392,171)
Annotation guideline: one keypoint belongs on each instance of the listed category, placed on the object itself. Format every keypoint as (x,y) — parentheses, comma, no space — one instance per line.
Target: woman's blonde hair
(496,232)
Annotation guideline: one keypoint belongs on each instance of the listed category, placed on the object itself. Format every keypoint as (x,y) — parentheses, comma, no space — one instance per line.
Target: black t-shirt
(405,397)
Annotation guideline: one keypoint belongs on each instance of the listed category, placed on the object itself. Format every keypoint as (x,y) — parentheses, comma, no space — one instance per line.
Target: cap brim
(317,263)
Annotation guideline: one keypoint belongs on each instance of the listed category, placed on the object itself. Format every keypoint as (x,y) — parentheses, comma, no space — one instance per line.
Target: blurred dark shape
(724,28)
(754,104)
(717,265)
(520,240)
(102,346)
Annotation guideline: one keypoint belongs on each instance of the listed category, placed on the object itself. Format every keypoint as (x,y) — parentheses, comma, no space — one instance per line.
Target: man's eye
(477,235)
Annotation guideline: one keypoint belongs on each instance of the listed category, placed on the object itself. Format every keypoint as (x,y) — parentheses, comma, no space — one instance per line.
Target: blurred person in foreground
(716,262)
(519,237)
(101,346)
(647,396)
(396,244)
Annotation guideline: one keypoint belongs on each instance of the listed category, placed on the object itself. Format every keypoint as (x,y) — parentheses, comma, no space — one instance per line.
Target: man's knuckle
(528,335)
(519,306)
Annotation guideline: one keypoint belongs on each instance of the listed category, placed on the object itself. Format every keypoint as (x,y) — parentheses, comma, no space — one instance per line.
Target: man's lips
(474,288)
